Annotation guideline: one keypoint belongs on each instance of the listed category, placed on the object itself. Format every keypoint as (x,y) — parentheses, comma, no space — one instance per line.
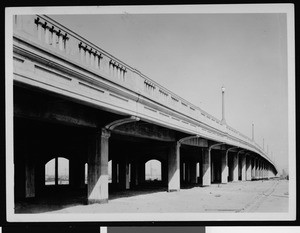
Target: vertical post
(223,121)
(98,168)
(248,168)
(56,170)
(141,172)
(164,172)
(187,172)
(252,131)
(243,168)
(224,175)
(29,179)
(173,167)
(193,172)
(124,174)
(257,169)
(133,174)
(114,172)
(127,186)
(206,167)
(235,168)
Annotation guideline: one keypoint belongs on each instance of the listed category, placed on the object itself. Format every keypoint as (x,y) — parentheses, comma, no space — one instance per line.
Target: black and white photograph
(150,113)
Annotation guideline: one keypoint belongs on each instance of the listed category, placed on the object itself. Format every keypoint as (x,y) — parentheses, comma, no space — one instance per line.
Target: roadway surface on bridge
(255,196)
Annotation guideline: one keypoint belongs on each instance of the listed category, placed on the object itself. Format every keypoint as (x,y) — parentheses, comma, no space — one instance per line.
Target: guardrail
(59,40)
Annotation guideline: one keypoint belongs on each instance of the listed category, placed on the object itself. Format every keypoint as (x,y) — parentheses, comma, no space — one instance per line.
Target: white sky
(193,55)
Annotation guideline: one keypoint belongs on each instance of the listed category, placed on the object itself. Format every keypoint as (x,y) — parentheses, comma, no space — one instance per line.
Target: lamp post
(252,131)
(223,121)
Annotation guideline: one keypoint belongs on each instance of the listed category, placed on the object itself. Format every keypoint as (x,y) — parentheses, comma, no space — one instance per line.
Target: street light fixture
(223,121)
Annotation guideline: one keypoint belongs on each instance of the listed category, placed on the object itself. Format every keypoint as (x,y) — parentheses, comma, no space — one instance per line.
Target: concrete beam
(36,106)
(199,142)
(146,130)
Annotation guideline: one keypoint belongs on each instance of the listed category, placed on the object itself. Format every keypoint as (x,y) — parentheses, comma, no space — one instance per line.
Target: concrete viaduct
(76,101)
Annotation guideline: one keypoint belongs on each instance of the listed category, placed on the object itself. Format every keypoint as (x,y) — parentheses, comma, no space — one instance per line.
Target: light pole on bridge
(252,131)
(223,121)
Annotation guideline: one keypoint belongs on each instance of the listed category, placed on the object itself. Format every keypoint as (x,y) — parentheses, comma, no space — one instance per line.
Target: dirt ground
(254,196)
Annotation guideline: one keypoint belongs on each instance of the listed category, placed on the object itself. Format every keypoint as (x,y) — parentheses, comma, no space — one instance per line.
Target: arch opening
(57,171)
(153,170)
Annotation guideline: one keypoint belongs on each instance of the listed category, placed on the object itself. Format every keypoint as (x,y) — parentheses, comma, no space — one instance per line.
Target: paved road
(255,196)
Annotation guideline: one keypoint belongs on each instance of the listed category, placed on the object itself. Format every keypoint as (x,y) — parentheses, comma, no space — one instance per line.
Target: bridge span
(75,101)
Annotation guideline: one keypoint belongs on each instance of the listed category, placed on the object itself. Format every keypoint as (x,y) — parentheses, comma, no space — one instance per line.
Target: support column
(29,179)
(187,172)
(182,172)
(235,168)
(164,172)
(134,180)
(206,169)
(77,175)
(193,172)
(114,172)
(253,169)
(173,167)
(256,169)
(248,168)
(124,175)
(141,172)
(261,170)
(243,168)
(224,168)
(98,168)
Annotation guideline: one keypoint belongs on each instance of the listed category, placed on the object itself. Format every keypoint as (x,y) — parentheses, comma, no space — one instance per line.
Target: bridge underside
(103,161)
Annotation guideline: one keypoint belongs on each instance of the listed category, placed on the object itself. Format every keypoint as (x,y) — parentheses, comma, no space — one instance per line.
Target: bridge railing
(63,43)
(66,44)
